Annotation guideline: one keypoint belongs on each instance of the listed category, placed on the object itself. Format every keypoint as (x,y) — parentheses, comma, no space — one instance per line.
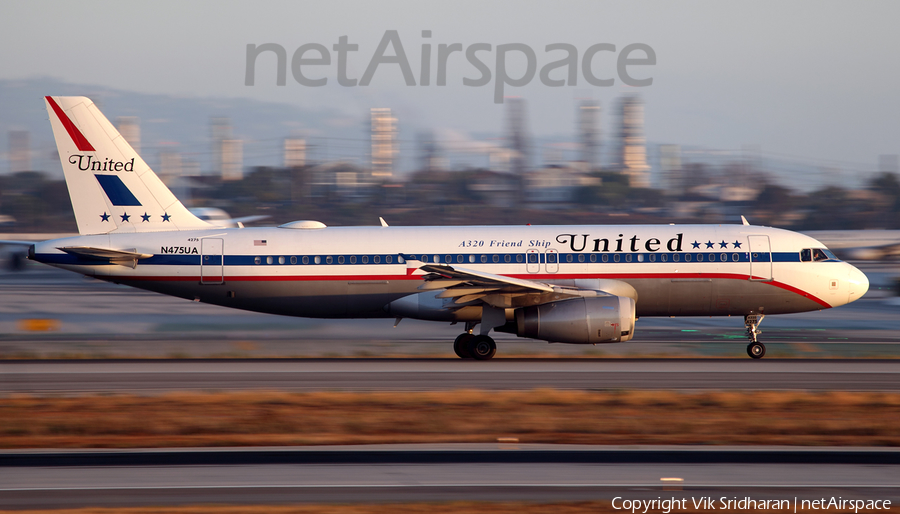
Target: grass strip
(465,416)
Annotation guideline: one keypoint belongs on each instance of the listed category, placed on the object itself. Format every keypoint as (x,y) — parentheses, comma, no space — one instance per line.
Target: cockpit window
(816,255)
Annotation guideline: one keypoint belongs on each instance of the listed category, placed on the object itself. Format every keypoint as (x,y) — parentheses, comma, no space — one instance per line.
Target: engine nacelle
(603,319)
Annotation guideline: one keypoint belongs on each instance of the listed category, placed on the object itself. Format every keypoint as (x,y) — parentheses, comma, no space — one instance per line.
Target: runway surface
(74,377)
(371,474)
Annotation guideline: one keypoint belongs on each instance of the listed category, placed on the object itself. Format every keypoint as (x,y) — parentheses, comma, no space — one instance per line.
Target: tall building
(19,151)
(170,165)
(384,135)
(670,167)
(294,152)
(631,158)
(517,135)
(589,133)
(130,128)
(232,158)
(219,131)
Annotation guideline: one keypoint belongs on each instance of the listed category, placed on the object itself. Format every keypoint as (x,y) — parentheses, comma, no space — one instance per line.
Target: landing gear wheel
(756,350)
(482,348)
(461,345)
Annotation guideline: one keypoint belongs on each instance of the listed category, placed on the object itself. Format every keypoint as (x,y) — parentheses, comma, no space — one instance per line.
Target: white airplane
(569,284)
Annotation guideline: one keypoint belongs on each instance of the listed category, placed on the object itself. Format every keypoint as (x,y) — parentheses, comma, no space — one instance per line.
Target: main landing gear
(755,349)
(469,346)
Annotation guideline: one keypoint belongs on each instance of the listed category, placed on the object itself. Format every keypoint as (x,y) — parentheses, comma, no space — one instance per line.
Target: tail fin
(111,187)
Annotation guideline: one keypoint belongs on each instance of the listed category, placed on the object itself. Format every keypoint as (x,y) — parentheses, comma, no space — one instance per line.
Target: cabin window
(735,257)
(484,258)
(269,260)
(437,258)
(628,258)
(329,260)
(580,257)
(340,259)
(640,258)
(293,259)
(257,260)
(616,258)
(365,259)
(376,259)
(519,258)
(448,259)
(459,258)
(532,257)
(281,260)
(687,257)
(663,257)
(675,257)
(507,258)
(593,258)
(723,257)
(496,258)
(652,257)
(305,259)
(352,259)
(471,258)
(388,259)
(569,257)
(400,259)
(605,258)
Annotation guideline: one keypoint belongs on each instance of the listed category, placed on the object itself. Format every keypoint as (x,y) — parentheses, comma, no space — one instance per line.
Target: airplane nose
(859,284)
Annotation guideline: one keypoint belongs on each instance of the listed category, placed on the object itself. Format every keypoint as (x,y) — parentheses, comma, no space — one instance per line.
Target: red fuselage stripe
(535,276)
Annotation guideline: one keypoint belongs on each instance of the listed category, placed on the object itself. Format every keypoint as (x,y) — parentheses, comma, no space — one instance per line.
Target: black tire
(756,350)
(482,348)
(461,345)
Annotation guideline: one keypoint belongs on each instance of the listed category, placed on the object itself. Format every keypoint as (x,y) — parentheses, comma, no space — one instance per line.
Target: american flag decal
(259,242)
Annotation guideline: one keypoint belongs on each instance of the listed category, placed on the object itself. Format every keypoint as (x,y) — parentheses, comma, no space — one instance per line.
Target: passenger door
(212,251)
(760,258)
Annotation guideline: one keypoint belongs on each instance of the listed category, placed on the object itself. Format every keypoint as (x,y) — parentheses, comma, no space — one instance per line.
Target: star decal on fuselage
(145,217)
(166,217)
(710,244)
(737,244)
(695,244)
(104,217)
(723,244)
(125,216)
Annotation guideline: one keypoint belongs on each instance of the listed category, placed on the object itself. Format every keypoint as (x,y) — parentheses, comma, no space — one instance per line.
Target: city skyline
(807,79)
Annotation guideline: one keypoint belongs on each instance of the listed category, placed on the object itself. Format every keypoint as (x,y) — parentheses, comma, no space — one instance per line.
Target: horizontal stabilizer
(120,257)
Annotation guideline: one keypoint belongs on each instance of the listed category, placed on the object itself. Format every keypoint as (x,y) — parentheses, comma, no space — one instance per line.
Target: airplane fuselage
(338,272)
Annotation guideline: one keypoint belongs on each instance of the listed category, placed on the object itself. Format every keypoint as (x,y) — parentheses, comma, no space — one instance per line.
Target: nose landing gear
(755,349)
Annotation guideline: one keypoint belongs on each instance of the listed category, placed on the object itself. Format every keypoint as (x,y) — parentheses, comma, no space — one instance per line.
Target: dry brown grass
(593,507)
(539,416)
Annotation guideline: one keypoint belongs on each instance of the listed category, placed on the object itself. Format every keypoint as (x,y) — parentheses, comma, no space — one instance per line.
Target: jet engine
(603,319)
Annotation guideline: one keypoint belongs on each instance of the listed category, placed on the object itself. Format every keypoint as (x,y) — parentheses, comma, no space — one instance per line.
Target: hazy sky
(813,79)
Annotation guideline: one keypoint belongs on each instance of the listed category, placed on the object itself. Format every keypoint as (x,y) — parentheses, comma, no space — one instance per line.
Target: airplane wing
(121,257)
(469,287)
